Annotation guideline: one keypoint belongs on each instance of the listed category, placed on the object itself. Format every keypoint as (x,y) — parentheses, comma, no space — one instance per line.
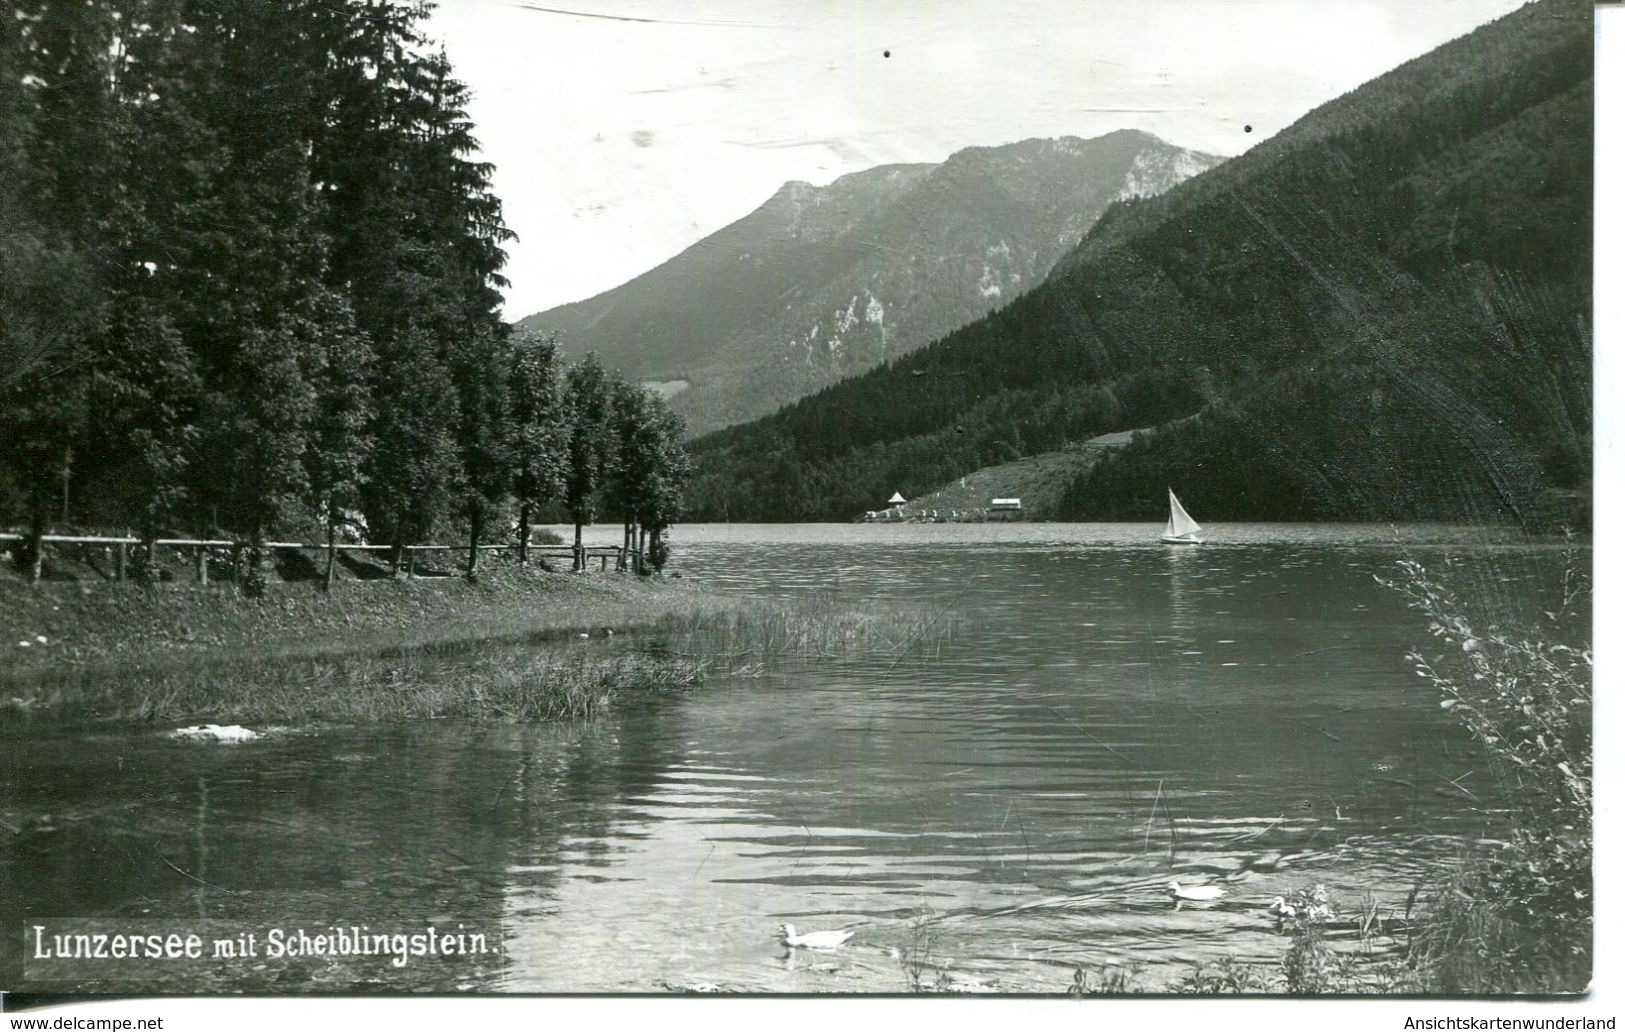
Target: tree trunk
(146,567)
(36,541)
(332,554)
(397,554)
(475,518)
(578,559)
(524,533)
(641,568)
(67,476)
(657,549)
(254,579)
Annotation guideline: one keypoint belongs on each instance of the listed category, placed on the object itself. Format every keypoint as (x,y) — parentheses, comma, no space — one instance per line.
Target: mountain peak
(794,190)
(822,282)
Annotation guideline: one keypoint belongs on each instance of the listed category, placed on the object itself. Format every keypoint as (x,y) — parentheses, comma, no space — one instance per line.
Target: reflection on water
(1107,718)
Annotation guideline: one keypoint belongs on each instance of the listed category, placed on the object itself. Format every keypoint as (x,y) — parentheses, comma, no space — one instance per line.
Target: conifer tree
(538,427)
(483,436)
(589,449)
(413,470)
(341,439)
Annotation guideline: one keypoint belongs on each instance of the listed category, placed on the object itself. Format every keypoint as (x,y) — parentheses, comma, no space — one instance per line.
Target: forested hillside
(250,285)
(821,282)
(1383,312)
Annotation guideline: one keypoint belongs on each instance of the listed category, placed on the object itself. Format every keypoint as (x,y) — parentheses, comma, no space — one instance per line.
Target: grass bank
(522,644)
(91,625)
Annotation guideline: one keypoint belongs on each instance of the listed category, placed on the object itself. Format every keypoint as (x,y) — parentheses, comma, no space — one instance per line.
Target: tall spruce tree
(281,289)
(417,241)
(626,472)
(589,451)
(538,427)
(483,437)
(52,62)
(413,470)
(341,439)
(245,258)
(670,469)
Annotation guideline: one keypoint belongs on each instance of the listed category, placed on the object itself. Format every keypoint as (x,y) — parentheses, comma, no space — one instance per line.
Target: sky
(623,131)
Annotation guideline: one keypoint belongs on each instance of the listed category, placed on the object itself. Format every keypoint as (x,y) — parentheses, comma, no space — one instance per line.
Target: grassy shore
(527,644)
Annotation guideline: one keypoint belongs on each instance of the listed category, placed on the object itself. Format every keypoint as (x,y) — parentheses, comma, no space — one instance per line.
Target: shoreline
(104,651)
(91,627)
(522,644)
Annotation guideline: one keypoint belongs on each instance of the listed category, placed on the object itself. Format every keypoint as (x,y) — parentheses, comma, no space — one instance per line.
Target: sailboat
(1181,529)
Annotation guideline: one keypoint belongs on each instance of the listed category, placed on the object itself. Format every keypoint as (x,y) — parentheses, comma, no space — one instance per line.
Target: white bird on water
(815,940)
(1195,893)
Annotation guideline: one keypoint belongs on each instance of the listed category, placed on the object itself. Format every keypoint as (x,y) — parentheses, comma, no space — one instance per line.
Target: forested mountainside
(1381,313)
(823,282)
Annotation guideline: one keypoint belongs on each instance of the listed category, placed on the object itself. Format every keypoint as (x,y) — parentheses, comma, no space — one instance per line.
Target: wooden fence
(201,547)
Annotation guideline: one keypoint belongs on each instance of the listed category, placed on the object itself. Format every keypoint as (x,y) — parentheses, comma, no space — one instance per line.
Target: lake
(1106,714)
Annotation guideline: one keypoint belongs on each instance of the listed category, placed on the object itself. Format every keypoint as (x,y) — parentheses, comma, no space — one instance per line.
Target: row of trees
(250,277)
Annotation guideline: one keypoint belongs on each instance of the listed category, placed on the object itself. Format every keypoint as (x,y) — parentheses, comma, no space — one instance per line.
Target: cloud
(718,23)
(841,148)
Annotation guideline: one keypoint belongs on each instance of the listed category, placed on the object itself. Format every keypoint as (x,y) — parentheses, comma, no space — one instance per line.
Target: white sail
(1180,523)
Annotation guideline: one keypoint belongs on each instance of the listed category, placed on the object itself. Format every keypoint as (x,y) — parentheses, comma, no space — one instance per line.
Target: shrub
(1519,919)
(1310,965)
(1226,976)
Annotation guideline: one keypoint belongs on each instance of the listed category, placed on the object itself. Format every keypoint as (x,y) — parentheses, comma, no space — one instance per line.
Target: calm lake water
(1108,714)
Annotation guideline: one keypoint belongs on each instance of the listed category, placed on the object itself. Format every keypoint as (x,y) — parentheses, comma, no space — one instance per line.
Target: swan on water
(816,940)
(1199,893)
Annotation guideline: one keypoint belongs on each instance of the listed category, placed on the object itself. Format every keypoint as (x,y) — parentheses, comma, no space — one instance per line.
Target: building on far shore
(1004,509)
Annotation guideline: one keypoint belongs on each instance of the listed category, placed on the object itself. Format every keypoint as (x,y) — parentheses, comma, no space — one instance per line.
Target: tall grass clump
(922,971)
(521,687)
(1518,919)
(1227,976)
(570,686)
(756,634)
(1103,981)
(1362,960)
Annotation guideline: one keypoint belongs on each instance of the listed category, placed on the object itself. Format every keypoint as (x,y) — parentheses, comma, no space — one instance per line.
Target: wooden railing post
(135,558)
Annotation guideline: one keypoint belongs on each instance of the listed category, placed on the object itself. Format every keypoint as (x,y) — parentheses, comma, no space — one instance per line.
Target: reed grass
(758,633)
(503,668)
